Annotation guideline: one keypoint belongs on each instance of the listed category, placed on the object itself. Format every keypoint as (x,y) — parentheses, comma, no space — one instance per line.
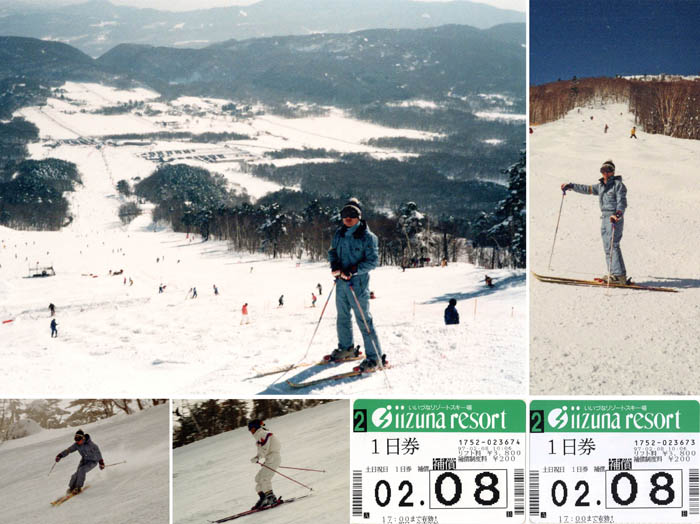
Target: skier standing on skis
(320,289)
(313,299)
(353,254)
(612,197)
(268,453)
(90,457)
(54,328)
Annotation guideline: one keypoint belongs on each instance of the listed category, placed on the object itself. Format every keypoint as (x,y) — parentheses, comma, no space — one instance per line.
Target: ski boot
(73,491)
(269,500)
(616,279)
(369,364)
(339,354)
(261,498)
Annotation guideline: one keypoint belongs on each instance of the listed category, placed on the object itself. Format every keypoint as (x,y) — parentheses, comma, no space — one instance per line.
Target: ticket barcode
(694,482)
(356,492)
(519,506)
(534,493)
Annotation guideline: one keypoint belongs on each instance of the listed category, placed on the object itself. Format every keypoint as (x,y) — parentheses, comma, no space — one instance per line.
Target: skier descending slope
(612,197)
(90,457)
(353,254)
(268,446)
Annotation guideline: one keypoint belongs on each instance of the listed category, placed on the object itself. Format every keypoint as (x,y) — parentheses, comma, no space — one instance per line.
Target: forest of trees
(302,223)
(668,106)
(196,420)
(56,413)
(32,193)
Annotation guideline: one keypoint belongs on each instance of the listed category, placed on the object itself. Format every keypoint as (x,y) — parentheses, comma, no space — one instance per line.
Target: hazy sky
(185,5)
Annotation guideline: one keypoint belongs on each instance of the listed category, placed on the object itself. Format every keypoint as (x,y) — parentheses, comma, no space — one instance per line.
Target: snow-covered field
(592,340)
(121,494)
(113,335)
(213,478)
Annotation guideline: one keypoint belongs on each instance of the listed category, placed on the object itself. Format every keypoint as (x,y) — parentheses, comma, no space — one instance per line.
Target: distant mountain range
(97,26)
(341,69)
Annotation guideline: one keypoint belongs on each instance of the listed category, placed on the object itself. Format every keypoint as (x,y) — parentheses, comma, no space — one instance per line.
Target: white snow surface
(587,340)
(121,494)
(169,345)
(213,478)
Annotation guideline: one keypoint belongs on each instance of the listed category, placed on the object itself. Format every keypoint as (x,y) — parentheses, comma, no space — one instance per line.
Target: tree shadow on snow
(498,285)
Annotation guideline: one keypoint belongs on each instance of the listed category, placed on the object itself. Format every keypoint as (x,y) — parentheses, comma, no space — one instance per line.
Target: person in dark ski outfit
(451,313)
(52,309)
(320,289)
(54,328)
(612,197)
(353,254)
(280,301)
(90,456)
(488,280)
(268,453)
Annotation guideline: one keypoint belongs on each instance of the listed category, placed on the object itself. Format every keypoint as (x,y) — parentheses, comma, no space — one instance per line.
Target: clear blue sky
(609,37)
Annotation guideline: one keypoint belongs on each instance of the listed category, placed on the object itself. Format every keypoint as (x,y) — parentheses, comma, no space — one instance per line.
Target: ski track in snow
(213,478)
(170,345)
(137,491)
(598,341)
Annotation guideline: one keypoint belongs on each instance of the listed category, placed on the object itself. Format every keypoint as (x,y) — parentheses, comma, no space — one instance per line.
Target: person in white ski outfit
(268,453)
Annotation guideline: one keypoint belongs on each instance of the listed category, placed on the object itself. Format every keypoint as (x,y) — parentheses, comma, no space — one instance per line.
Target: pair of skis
(279,502)
(325,362)
(68,496)
(356,372)
(600,283)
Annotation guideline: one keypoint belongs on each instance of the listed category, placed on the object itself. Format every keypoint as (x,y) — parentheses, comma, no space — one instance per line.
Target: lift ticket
(438,461)
(597,461)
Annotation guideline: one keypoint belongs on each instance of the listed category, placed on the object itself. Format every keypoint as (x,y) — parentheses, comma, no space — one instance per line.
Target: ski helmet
(79,435)
(255,424)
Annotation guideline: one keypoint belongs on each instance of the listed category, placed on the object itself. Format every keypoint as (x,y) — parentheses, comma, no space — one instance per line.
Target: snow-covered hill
(213,478)
(597,341)
(121,494)
(113,335)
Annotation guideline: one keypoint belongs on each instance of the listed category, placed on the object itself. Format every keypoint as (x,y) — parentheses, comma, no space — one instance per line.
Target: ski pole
(364,320)
(319,321)
(54,465)
(285,476)
(563,194)
(116,464)
(303,469)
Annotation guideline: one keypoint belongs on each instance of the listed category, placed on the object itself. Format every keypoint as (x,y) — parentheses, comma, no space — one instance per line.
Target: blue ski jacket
(354,250)
(88,450)
(612,196)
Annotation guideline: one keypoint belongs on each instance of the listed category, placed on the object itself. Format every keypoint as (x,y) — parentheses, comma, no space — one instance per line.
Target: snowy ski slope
(213,478)
(598,341)
(170,345)
(122,494)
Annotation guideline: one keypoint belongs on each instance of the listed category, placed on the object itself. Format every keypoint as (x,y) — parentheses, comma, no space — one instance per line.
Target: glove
(348,272)
(336,273)
(102,464)
(254,459)
(616,217)
(566,187)
(58,458)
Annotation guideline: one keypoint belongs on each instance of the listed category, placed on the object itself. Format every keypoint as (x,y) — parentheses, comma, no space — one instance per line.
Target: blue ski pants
(617,266)
(345,303)
(78,478)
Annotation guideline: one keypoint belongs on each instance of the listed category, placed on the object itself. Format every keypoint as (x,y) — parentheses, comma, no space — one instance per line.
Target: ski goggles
(607,169)
(79,438)
(349,212)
